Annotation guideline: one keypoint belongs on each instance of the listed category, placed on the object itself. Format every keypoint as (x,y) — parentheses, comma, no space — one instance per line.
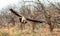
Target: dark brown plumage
(14,12)
(33,20)
(24,20)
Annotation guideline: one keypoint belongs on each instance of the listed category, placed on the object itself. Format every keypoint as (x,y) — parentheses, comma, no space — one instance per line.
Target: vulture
(25,19)
(22,18)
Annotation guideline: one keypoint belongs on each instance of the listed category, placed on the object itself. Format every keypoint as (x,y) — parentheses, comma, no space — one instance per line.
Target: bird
(24,20)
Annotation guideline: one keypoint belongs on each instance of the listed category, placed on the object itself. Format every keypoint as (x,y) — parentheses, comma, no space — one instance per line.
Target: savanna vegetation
(10,24)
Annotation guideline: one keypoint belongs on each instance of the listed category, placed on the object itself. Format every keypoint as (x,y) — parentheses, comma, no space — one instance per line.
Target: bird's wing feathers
(25,17)
(14,12)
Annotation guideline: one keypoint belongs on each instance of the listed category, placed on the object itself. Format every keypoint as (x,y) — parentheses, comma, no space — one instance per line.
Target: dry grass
(39,31)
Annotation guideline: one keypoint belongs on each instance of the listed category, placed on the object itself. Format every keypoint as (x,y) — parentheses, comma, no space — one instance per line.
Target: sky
(4,3)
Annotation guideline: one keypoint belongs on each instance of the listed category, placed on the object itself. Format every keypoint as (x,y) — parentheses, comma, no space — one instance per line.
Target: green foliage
(57,25)
(16,33)
(47,12)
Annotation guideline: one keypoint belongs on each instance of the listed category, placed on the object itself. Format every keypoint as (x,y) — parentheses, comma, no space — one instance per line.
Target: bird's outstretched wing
(33,20)
(14,12)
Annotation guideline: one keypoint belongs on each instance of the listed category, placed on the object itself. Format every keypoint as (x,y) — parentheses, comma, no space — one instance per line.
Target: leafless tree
(48,17)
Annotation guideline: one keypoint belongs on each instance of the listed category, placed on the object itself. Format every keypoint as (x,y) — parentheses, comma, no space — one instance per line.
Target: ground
(40,30)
